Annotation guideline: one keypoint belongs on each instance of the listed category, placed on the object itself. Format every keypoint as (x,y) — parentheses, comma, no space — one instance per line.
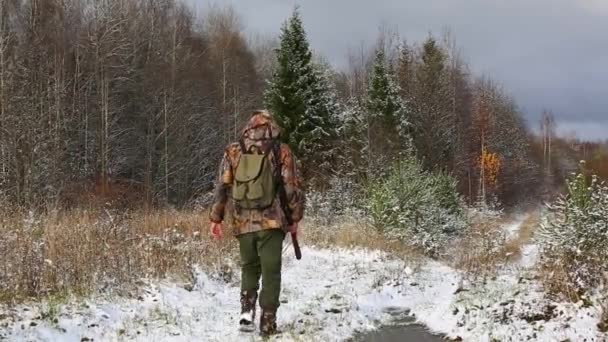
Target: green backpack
(255,185)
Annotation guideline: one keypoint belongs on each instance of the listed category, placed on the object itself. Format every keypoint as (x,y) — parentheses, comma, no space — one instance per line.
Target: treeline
(560,156)
(148,94)
(461,124)
(133,90)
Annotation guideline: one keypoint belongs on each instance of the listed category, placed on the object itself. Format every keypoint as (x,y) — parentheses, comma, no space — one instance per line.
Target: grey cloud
(547,53)
(593,130)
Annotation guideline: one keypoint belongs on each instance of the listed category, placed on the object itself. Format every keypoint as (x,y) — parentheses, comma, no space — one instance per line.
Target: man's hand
(216,230)
(293,228)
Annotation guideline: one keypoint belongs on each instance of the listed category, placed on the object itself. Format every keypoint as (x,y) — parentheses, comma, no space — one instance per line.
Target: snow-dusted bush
(416,206)
(340,201)
(574,237)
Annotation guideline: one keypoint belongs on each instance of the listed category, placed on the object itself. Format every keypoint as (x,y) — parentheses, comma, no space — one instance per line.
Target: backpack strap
(242,144)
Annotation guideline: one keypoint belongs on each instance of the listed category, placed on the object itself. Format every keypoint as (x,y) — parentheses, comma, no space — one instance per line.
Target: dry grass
(356,234)
(557,280)
(90,251)
(485,248)
(83,251)
(480,252)
(565,277)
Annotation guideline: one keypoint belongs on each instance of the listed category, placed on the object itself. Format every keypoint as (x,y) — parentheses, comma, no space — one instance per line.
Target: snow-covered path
(512,228)
(528,250)
(328,296)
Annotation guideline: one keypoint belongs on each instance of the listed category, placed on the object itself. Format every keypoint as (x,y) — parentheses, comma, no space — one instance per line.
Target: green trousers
(261,257)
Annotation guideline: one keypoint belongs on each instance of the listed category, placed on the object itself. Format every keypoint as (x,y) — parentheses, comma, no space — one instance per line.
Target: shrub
(341,201)
(416,206)
(574,237)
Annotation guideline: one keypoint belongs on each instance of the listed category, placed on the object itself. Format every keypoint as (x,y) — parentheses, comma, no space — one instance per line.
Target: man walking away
(260,176)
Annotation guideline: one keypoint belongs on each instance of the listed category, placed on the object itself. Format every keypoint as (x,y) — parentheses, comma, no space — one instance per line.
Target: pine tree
(389,117)
(405,70)
(285,96)
(353,140)
(435,121)
(317,128)
(303,100)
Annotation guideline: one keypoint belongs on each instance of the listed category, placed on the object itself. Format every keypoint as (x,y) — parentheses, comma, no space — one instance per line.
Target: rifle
(296,245)
(283,197)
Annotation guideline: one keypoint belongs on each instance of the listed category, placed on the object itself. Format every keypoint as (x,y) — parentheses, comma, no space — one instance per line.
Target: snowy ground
(512,228)
(529,251)
(328,296)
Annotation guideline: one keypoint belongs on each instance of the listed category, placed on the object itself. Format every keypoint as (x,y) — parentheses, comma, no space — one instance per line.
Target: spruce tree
(317,128)
(435,119)
(303,100)
(389,117)
(353,140)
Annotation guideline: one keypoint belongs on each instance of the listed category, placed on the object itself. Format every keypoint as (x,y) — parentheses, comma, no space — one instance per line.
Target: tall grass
(83,251)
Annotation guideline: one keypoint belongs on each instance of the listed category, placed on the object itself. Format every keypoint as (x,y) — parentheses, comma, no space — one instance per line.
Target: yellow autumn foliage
(489,163)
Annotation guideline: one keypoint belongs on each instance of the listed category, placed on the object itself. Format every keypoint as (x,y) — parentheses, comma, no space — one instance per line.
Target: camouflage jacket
(260,130)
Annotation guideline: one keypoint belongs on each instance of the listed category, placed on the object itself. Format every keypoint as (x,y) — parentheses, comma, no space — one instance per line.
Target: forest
(115,114)
(139,98)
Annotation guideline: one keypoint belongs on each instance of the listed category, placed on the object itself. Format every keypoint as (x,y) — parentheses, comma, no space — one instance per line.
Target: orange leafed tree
(489,164)
(489,167)
(484,118)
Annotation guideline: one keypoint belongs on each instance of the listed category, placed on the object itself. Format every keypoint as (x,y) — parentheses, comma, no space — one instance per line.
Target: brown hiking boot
(268,322)
(248,304)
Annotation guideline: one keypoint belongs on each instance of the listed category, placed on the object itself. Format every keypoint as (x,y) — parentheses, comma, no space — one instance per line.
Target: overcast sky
(547,53)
